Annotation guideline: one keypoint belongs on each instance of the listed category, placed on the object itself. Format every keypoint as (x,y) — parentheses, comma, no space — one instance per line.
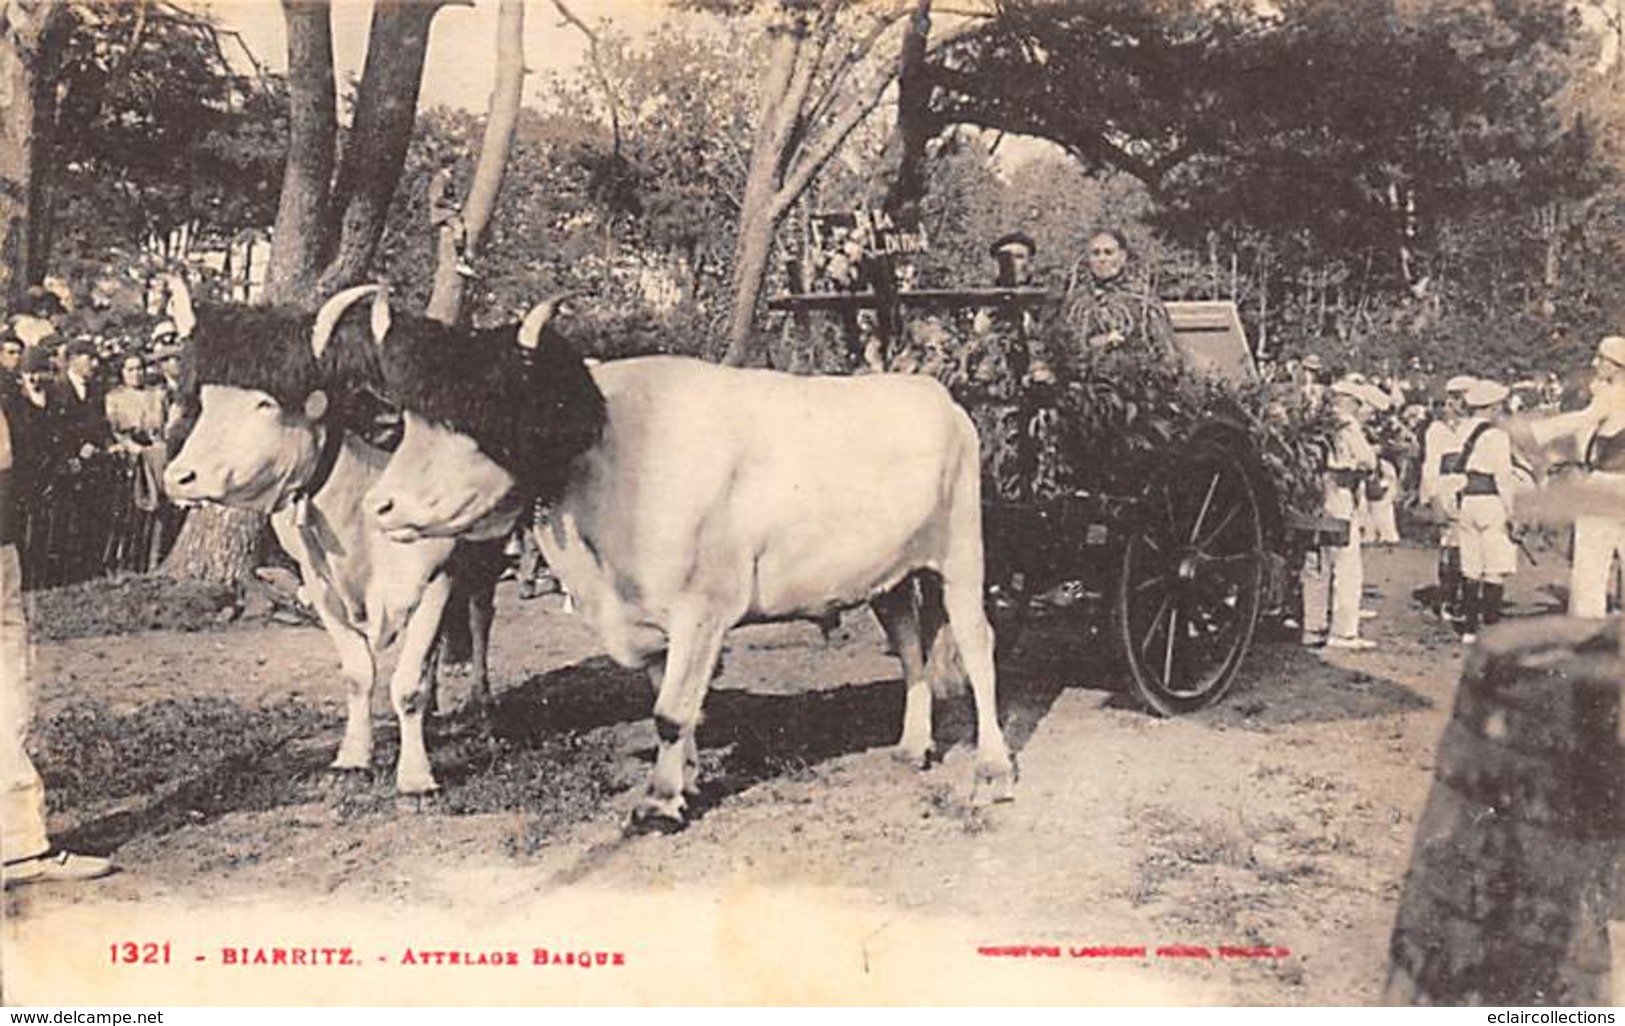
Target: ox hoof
(921,757)
(653,816)
(344,779)
(412,804)
(345,762)
(994,783)
(415,787)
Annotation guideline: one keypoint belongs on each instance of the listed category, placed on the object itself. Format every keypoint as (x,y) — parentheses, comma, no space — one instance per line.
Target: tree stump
(217,545)
(1512,875)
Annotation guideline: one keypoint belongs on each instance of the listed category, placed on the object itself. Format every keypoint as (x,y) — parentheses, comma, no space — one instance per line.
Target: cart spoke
(1168,650)
(1204,543)
(1207,504)
(1149,583)
(1151,633)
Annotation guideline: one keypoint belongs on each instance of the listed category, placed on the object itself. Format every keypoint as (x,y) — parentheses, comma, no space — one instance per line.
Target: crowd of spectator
(1395,412)
(91,415)
(1442,452)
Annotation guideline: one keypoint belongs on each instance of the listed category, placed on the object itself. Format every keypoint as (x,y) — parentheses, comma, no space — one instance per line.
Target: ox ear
(179,306)
(316,405)
(530,329)
(333,311)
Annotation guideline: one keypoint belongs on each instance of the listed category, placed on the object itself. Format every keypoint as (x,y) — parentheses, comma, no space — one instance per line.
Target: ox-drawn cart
(1177,570)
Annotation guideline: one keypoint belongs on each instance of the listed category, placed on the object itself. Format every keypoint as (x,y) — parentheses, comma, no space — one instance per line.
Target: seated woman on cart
(1111,310)
(1003,369)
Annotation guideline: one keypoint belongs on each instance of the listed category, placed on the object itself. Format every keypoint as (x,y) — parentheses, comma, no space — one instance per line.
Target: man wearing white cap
(1598,434)
(1334,576)
(1488,556)
(1441,480)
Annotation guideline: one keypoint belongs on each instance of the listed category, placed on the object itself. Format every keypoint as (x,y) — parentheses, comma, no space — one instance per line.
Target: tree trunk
(446,300)
(374,153)
(217,545)
(302,238)
(915,125)
(753,247)
(30,48)
(16,164)
(223,546)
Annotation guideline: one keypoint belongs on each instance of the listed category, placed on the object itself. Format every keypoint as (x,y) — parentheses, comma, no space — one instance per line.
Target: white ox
(713,497)
(298,464)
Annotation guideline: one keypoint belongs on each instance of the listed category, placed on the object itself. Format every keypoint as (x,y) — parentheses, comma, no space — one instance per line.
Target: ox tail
(961,518)
(943,668)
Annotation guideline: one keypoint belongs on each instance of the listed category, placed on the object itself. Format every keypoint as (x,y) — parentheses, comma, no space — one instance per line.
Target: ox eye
(266,404)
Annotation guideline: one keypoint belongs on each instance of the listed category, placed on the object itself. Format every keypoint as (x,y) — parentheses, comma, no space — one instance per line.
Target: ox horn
(530,329)
(180,305)
(332,311)
(380,316)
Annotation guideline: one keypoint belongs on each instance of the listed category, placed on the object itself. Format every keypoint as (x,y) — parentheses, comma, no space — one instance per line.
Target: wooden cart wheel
(1192,580)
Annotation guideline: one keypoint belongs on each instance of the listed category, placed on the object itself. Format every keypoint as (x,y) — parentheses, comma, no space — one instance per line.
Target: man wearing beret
(991,363)
(1013,252)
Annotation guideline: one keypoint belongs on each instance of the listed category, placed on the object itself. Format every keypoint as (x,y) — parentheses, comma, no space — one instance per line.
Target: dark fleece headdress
(268,349)
(532,411)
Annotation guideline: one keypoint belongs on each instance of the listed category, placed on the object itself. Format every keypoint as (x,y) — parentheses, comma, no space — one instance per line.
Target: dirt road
(1261,844)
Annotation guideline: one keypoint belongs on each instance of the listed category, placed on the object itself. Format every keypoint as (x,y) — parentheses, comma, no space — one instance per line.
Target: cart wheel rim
(1192,580)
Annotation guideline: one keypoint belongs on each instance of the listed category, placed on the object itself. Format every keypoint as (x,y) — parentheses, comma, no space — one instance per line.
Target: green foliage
(1124,413)
(1373,178)
(156,130)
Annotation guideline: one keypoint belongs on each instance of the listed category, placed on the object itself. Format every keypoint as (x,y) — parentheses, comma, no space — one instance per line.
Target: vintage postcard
(1069,617)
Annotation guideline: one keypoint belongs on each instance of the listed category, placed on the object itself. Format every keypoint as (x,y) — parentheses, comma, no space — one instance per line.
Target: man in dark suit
(79,419)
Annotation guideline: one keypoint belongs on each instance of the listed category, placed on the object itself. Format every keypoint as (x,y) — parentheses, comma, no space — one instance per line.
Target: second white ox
(274,434)
(689,498)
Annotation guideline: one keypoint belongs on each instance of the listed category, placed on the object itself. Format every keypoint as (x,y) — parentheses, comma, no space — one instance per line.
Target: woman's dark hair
(1115,234)
(42,302)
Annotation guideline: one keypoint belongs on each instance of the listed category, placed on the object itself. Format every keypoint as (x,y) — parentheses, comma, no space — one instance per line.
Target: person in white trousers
(1597,436)
(1334,576)
(1378,523)
(1441,477)
(1491,484)
(25,850)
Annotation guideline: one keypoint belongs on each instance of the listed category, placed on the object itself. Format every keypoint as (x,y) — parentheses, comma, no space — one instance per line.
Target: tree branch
(806,169)
(593,58)
(446,300)
(136,34)
(214,33)
(854,54)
